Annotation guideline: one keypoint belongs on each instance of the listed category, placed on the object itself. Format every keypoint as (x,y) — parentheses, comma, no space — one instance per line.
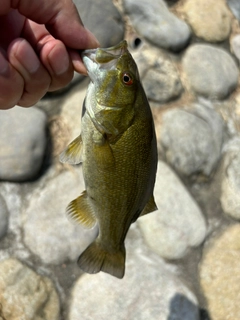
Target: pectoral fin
(105,155)
(80,210)
(73,153)
(149,207)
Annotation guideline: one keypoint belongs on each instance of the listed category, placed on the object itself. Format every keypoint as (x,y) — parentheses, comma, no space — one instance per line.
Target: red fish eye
(127,79)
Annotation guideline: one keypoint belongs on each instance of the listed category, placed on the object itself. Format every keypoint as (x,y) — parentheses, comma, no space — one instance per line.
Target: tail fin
(95,259)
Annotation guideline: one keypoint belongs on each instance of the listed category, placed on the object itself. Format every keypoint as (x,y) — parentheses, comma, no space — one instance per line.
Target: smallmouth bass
(118,151)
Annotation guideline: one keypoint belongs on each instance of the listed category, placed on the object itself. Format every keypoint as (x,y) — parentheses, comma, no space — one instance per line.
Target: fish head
(114,75)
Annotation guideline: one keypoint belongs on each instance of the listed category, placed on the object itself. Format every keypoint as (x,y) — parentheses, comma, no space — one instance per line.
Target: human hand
(39,40)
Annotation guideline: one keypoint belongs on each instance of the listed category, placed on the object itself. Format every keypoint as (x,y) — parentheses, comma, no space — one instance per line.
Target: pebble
(199,14)
(157,24)
(230,199)
(234,5)
(178,224)
(48,233)
(103,20)
(190,138)
(3,217)
(22,144)
(159,75)
(211,71)
(25,294)
(235,45)
(149,290)
(220,277)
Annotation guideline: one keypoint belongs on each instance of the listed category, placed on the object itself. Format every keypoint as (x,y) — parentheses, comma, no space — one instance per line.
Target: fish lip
(116,51)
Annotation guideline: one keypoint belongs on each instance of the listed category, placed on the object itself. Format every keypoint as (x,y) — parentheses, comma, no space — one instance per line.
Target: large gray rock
(234,5)
(211,71)
(157,24)
(47,231)
(158,73)
(22,143)
(3,217)
(103,20)
(25,294)
(235,44)
(230,198)
(149,290)
(178,224)
(190,138)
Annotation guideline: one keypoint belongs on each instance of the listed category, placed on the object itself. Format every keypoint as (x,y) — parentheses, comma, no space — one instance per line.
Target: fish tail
(95,259)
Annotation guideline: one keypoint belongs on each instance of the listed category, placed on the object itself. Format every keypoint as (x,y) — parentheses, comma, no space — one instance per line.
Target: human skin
(39,43)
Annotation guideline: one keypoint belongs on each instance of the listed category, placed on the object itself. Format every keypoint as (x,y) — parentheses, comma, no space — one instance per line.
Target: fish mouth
(103,58)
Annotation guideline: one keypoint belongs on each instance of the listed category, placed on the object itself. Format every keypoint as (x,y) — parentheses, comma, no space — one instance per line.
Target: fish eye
(127,79)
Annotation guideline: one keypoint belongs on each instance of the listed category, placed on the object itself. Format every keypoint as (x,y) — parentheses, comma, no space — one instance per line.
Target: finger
(36,79)
(11,84)
(60,17)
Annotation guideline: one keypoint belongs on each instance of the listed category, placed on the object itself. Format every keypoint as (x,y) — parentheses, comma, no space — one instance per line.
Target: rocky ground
(183,260)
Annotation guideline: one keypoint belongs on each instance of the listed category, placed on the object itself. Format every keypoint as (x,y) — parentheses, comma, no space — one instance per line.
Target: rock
(234,5)
(25,294)
(3,217)
(190,138)
(149,290)
(230,199)
(159,76)
(22,143)
(220,277)
(235,44)
(211,72)
(178,224)
(47,231)
(103,20)
(199,14)
(157,24)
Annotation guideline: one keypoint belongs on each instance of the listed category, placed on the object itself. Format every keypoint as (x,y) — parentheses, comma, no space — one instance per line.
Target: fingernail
(93,42)
(26,55)
(3,64)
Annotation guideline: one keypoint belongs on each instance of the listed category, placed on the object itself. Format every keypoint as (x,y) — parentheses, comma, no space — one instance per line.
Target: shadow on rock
(182,308)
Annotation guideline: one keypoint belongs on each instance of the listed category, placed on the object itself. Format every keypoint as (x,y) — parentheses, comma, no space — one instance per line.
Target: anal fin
(149,207)
(73,153)
(81,211)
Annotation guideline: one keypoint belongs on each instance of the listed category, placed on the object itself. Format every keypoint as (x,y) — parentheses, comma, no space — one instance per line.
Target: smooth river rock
(47,230)
(199,14)
(178,224)
(22,144)
(211,71)
(153,20)
(234,5)
(149,290)
(4,214)
(220,276)
(25,295)
(190,138)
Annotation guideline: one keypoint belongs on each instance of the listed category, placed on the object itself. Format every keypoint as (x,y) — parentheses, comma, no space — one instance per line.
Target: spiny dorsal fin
(149,207)
(73,153)
(81,211)
(95,259)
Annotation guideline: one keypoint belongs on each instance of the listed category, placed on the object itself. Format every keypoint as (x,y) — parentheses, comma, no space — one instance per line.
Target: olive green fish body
(119,159)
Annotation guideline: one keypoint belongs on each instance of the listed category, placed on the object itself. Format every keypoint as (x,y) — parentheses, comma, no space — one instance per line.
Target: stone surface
(235,44)
(22,143)
(159,75)
(25,294)
(230,198)
(3,217)
(190,138)
(220,277)
(234,5)
(47,231)
(199,14)
(149,290)
(103,20)
(178,224)
(157,24)
(211,71)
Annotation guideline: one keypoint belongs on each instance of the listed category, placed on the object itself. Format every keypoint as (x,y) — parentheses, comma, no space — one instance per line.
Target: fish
(118,151)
